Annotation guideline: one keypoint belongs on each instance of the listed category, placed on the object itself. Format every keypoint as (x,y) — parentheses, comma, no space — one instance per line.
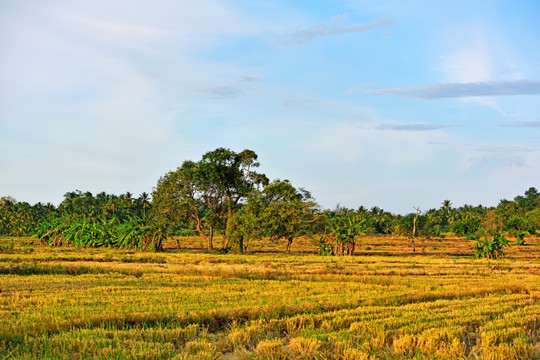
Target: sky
(395,104)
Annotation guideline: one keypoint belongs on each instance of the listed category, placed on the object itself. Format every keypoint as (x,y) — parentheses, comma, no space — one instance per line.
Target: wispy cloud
(412,127)
(233,90)
(458,90)
(505,155)
(353,141)
(224,91)
(507,160)
(504,149)
(523,124)
(331,28)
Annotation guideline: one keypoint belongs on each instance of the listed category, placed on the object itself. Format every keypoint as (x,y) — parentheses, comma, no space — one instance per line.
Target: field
(385,303)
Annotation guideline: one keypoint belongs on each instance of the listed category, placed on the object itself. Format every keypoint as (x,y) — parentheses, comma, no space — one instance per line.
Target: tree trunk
(209,245)
(289,243)
(230,214)
(210,238)
(352,246)
(241,244)
(339,248)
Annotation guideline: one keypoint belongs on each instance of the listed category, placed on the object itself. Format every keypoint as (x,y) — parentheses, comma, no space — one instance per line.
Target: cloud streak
(523,124)
(504,149)
(233,90)
(412,127)
(459,90)
(327,29)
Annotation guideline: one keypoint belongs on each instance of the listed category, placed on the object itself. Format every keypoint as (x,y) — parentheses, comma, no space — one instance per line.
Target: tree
(380,219)
(279,211)
(227,178)
(177,198)
(529,201)
(143,203)
(19,218)
(246,224)
(208,192)
(287,211)
(418,211)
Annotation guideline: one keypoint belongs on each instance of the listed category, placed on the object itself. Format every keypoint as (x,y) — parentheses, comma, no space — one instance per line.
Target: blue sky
(388,103)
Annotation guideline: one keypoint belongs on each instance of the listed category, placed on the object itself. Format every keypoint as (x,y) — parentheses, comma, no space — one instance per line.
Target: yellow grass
(386,303)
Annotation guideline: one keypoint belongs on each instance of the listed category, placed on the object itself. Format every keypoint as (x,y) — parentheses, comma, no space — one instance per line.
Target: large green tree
(207,193)
(279,211)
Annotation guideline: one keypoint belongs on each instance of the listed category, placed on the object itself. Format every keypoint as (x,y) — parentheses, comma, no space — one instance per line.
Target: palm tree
(144,202)
(379,216)
(111,207)
(446,205)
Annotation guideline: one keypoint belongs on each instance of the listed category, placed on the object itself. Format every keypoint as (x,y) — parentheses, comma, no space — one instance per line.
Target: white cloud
(97,91)
(479,55)
(340,17)
(470,61)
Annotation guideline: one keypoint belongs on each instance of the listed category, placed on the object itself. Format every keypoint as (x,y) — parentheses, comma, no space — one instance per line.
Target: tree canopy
(223,194)
(207,193)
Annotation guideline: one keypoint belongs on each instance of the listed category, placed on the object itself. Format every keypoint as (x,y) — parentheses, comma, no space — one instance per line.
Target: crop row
(85,303)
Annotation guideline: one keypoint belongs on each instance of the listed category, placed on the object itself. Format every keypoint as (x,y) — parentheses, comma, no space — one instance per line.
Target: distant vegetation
(221,194)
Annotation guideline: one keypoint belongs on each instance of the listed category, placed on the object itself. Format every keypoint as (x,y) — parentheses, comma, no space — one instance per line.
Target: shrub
(491,247)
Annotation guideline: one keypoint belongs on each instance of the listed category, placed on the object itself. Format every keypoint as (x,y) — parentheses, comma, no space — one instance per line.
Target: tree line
(223,194)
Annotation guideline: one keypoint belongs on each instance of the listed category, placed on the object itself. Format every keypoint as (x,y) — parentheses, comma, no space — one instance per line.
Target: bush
(491,247)
(520,237)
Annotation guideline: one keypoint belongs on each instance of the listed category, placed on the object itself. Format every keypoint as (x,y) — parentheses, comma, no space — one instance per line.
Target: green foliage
(344,227)
(21,218)
(133,233)
(79,205)
(491,247)
(379,219)
(529,201)
(222,194)
(326,247)
(183,230)
(519,223)
(207,193)
(403,225)
(279,211)
(245,225)
(287,211)
(466,227)
(520,237)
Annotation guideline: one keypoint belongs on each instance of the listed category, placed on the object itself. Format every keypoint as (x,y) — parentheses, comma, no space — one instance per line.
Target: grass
(386,303)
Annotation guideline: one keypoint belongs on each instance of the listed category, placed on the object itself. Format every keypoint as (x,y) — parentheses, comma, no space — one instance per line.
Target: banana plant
(491,247)
(345,228)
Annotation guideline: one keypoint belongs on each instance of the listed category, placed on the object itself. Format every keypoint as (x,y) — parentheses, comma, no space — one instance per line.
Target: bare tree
(414,228)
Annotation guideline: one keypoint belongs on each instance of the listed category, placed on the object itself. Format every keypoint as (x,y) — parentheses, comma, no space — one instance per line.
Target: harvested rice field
(386,302)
